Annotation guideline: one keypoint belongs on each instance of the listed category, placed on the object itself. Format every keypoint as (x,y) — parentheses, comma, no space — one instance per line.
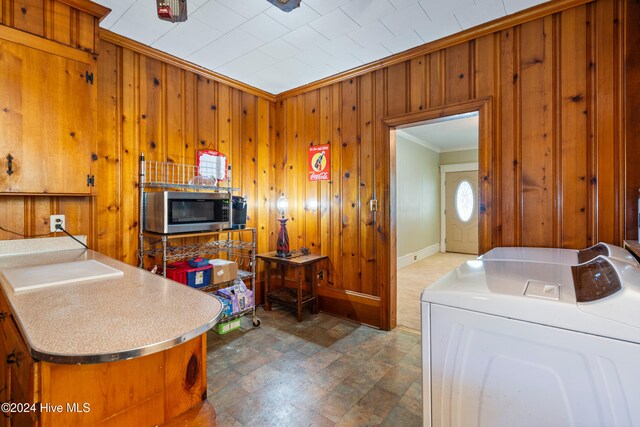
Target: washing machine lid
(551,255)
(560,256)
(604,302)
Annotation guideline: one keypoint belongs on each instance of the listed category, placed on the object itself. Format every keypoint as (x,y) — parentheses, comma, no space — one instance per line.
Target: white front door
(461,212)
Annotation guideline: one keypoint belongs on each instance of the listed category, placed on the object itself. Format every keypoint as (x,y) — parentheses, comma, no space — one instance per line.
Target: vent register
(176,10)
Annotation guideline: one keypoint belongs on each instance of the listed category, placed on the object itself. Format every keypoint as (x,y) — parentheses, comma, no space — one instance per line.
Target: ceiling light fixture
(172,10)
(285,5)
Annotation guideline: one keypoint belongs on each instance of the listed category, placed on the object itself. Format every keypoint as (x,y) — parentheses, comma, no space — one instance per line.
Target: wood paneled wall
(72,23)
(554,163)
(152,107)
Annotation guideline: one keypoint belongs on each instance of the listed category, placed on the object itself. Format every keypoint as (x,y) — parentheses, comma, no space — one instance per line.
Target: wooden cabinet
(18,371)
(47,116)
(147,390)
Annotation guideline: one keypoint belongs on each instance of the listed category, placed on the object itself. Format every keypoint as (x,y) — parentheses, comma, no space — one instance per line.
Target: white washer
(509,343)
(560,256)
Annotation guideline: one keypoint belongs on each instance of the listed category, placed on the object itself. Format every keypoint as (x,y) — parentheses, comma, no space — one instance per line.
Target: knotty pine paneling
(151,107)
(554,159)
(55,20)
(632,127)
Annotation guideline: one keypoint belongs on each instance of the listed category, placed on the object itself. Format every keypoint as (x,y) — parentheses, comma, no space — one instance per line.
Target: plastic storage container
(196,277)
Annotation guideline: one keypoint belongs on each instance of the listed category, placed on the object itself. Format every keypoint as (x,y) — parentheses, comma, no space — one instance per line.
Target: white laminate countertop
(104,320)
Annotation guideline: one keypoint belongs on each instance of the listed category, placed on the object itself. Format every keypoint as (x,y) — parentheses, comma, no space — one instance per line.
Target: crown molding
(416,140)
(531,14)
(122,41)
(461,148)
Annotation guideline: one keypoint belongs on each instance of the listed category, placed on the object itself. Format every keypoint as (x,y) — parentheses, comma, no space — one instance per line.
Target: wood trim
(48,46)
(89,7)
(125,42)
(545,9)
(49,194)
(350,305)
(486,166)
(351,296)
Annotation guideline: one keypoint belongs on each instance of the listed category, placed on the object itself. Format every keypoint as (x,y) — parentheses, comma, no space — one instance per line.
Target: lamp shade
(282,205)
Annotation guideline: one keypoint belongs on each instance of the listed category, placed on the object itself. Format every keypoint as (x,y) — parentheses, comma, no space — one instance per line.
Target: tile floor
(323,371)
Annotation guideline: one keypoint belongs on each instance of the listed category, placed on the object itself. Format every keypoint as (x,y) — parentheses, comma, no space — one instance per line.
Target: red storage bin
(195,277)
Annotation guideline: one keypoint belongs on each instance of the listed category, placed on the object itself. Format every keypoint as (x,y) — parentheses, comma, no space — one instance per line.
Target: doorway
(427,152)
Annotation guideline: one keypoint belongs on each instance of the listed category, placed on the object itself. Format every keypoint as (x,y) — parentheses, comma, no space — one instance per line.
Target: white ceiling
(454,133)
(258,44)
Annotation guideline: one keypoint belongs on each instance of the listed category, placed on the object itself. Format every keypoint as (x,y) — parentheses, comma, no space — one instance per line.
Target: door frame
(456,167)
(386,224)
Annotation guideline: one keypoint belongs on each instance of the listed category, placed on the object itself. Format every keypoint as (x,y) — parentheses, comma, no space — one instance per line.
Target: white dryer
(560,256)
(509,343)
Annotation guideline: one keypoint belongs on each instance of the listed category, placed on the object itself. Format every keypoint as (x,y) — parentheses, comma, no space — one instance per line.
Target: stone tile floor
(323,371)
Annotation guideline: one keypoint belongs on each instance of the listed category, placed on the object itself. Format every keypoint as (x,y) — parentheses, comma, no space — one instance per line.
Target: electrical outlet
(55,220)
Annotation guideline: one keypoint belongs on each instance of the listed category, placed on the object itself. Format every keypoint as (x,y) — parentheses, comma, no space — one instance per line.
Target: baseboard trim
(407,260)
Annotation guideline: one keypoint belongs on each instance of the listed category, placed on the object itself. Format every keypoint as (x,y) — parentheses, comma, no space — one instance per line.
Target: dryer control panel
(595,280)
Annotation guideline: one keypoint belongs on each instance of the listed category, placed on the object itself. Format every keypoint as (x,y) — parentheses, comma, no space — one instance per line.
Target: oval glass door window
(465,200)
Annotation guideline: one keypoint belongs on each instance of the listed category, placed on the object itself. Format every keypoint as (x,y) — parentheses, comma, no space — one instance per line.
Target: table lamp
(282,248)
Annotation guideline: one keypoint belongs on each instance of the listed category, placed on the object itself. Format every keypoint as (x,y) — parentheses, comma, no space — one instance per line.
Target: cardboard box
(223,271)
(227,307)
(240,301)
(226,327)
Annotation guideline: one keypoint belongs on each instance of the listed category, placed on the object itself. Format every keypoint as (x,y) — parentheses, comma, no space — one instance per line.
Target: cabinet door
(46,122)
(4,366)
(22,385)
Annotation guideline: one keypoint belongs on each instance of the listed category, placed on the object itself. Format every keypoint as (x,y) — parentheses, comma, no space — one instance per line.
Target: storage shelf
(236,315)
(154,248)
(179,176)
(188,187)
(174,236)
(242,274)
(232,248)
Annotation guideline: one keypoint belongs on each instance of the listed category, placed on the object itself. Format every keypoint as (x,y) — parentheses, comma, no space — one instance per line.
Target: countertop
(104,320)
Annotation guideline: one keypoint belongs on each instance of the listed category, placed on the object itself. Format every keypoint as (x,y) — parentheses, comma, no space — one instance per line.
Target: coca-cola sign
(320,162)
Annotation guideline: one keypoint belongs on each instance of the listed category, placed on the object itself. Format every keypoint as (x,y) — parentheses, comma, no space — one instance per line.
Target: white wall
(418,201)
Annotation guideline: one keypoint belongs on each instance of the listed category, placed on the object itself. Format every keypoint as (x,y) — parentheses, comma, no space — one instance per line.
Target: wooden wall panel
(607,157)
(311,135)
(632,127)
(28,15)
(554,155)
(29,215)
(108,206)
(168,113)
(72,26)
(537,109)
(575,141)
(350,187)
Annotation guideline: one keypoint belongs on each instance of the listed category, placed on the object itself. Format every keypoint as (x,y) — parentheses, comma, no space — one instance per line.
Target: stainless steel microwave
(171,212)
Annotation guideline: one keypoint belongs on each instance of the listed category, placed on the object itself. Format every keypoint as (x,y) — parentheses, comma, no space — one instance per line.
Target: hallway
(414,278)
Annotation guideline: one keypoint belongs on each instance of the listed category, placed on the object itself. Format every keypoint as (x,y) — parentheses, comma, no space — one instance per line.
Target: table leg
(315,308)
(300,270)
(267,283)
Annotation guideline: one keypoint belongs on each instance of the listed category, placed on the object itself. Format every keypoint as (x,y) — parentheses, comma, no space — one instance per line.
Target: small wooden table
(305,265)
